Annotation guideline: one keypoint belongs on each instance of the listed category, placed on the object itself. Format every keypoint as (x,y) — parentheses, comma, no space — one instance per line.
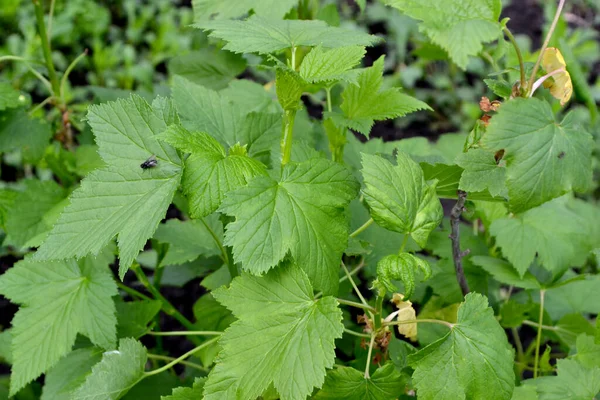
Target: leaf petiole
(179,359)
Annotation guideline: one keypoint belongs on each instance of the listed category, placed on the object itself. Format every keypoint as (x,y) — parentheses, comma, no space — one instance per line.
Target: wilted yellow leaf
(561,86)
(405,312)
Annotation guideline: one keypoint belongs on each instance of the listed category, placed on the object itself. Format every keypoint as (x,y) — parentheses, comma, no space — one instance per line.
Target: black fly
(149,163)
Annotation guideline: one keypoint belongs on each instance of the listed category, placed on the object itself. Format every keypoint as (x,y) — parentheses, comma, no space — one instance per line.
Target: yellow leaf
(555,66)
(406,312)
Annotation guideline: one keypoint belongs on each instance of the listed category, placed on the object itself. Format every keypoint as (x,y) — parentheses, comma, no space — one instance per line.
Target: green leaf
(474,358)
(9,96)
(588,352)
(345,383)
(251,96)
(213,69)
(227,9)
(187,393)
(545,159)
(133,317)
(188,240)
(122,198)
(209,172)
(481,172)
(321,65)
(60,299)
(460,27)
(558,232)
(283,336)
(19,131)
(500,87)
(573,381)
(33,213)
(365,102)
(70,373)
(289,86)
(118,372)
(401,267)
(262,35)
(5,345)
(302,213)
(399,198)
(505,273)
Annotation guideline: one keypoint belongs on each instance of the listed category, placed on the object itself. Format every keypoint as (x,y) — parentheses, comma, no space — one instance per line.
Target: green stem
(378,309)
(539,335)
(403,245)
(418,321)
(132,292)
(328,92)
(561,4)
(186,333)
(44,81)
(355,304)
(518,345)
(371,343)
(345,277)
(39,16)
(519,56)
(224,255)
(362,228)
(186,363)
(358,293)
(65,77)
(293,62)
(167,307)
(50,17)
(286,136)
(361,335)
(181,358)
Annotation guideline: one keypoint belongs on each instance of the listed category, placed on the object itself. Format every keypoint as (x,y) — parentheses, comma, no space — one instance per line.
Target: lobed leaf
(227,9)
(321,65)
(188,393)
(481,172)
(283,336)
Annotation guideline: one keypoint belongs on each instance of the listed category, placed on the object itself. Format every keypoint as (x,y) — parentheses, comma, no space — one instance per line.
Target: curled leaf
(560,85)
(405,312)
(401,267)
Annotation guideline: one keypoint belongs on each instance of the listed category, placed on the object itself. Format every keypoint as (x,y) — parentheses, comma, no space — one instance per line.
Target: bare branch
(457,255)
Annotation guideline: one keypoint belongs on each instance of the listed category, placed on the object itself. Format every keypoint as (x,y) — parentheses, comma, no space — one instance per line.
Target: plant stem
(518,344)
(50,17)
(44,81)
(358,293)
(371,343)
(362,335)
(293,60)
(167,307)
(539,335)
(561,4)
(547,327)
(181,358)
(65,77)
(39,16)
(186,363)
(519,56)
(132,292)
(345,277)
(355,304)
(224,255)
(457,255)
(404,241)
(362,228)
(186,333)
(417,321)
(328,92)
(289,116)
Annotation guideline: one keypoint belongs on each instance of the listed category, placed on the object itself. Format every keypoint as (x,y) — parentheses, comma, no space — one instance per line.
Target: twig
(457,255)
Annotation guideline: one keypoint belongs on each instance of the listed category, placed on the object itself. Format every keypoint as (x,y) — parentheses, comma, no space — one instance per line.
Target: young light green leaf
(561,233)
(262,35)
(481,172)
(70,297)
(122,198)
(118,372)
(133,317)
(474,358)
(289,86)
(401,267)
(332,65)
(33,213)
(213,69)
(209,172)
(283,336)
(573,381)
(364,103)
(460,27)
(9,96)
(588,352)
(228,9)
(70,373)
(399,198)
(345,383)
(302,213)
(188,240)
(545,158)
(187,393)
